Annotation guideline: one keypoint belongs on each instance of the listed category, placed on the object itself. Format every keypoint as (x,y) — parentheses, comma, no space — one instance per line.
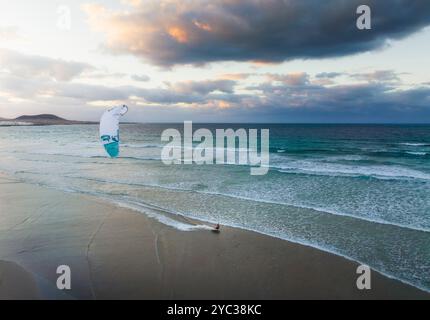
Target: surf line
(240,146)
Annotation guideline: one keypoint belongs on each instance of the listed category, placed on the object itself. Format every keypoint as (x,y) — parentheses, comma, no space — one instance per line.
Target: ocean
(360,191)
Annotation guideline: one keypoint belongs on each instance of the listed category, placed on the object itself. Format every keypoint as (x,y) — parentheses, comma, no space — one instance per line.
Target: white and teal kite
(109,129)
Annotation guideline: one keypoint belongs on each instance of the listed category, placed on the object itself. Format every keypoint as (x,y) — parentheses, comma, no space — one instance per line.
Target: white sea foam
(161,218)
(141,146)
(333,169)
(415,144)
(417,153)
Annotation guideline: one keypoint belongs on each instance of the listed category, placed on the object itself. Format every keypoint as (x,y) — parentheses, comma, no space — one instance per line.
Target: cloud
(268,102)
(235,76)
(40,87)
(141,78)
(25,66)
(133,3)
(276,101)
(102,74)
(168,97)
(378,75)
(88,93)
(189,92)
(204,87)
(9,33)
(32,88)
(291,79)
(170,32)
(328,75)
(289,97)
(362,102)
(357,103)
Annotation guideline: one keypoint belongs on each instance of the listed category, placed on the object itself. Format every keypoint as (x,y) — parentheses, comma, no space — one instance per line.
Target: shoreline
(179,217)
(118,253)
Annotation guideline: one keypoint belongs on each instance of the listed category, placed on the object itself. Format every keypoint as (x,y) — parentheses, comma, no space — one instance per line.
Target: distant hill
(47,117)
(40,120)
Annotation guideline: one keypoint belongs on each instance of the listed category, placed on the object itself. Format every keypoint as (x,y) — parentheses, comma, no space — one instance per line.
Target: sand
(117,253)
(16,283)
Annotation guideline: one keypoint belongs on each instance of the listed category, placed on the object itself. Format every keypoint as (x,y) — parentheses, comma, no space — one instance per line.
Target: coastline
(117,253)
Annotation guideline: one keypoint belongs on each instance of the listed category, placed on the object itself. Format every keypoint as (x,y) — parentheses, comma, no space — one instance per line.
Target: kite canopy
(109,129)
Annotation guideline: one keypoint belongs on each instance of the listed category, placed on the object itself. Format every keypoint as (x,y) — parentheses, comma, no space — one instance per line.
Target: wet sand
(16,282)
(117,253)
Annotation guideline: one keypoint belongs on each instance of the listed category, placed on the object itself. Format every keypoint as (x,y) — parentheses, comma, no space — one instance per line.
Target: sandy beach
(116,253)
(16,283)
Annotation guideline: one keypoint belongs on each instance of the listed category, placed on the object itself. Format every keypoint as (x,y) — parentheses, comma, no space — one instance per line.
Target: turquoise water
(361,191)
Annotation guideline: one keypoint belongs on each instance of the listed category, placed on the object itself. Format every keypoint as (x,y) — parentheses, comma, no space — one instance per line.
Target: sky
(216,60)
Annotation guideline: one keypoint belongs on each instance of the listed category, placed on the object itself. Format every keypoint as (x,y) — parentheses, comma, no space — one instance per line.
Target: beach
(118,253)
(360,192)
(131,131)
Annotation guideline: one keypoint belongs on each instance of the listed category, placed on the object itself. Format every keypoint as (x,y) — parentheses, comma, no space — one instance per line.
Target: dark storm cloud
(356,104)
(276,101)
(369,102)
(195,32)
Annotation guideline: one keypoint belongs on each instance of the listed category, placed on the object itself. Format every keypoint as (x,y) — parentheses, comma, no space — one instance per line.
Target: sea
(359,191)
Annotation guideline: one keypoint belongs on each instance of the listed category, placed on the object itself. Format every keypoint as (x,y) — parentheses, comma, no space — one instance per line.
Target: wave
(141,158)
(380,153)
(146,209)
(415,144)
(319,167)
(350,157)
(417,153)
(163,216)
(321,210)
(82,156)
(149,211)
(332,169)
(141,146)
(229,195)
(155,212)
(392,154)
